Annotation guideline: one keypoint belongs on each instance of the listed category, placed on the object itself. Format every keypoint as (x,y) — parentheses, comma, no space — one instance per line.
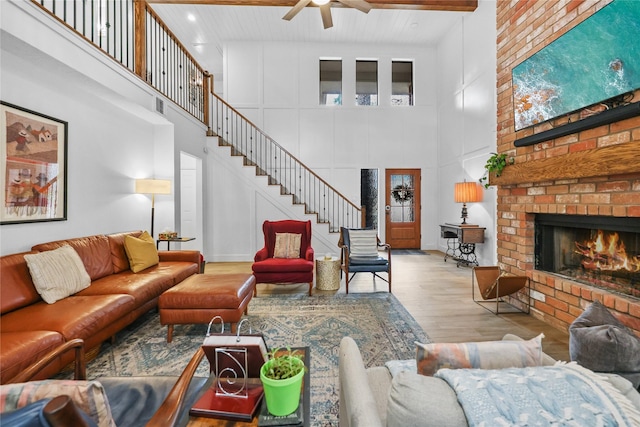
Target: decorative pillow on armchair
(600,342)
(287,245)
(363,243)
(479,355)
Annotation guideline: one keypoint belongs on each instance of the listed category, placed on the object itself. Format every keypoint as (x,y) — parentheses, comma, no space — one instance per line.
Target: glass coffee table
(305,400)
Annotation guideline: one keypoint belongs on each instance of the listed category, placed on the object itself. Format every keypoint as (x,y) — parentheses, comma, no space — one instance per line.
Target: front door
(402,208)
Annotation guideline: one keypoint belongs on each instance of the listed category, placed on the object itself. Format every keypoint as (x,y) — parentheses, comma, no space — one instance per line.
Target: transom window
(330,82)
(401,83)
(366,82)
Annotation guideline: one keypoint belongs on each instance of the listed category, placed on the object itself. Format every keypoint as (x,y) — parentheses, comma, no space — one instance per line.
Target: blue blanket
(559,395)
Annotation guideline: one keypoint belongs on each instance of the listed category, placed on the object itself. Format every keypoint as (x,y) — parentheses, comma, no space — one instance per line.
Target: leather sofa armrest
(80,363)
(357,402)
(169,411)
(177,256)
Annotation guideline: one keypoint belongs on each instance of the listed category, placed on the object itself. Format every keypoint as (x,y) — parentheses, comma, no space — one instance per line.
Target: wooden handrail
(173,36)
(178,78)
(136,41)
(286,151)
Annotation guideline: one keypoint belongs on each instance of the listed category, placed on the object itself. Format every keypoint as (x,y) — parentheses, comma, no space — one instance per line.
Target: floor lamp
(153,187)
(466,192)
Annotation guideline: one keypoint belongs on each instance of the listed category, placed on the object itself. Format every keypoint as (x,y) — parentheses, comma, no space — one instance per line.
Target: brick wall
(524,27)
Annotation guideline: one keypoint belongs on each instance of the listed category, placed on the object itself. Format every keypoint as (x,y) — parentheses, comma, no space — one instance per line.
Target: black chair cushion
(368,261)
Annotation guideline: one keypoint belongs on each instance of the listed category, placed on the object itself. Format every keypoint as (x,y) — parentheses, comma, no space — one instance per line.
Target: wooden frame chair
(494,285)
(61,412)
(351,265)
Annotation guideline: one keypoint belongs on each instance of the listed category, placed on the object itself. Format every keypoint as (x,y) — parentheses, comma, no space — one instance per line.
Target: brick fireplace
(592,173)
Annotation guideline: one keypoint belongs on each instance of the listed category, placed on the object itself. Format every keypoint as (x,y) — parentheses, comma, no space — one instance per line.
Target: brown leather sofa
(30,328)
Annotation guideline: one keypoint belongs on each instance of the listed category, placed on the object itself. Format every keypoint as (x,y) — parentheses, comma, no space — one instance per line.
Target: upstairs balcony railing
(130,32)
(283,168)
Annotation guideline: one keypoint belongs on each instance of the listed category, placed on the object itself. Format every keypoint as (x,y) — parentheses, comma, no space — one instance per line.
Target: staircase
(273,161)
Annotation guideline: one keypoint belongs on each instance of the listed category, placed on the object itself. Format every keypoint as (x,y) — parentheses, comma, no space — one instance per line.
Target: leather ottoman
(201,297)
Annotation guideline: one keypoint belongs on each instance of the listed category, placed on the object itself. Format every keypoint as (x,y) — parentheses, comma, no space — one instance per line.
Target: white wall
(467,105)
(275,85)
(114,136)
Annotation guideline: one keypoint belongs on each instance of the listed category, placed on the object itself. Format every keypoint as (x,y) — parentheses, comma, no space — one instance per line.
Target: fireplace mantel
(602,161)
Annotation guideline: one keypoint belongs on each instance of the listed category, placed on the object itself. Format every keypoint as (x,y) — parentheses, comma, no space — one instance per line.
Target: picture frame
(33,154)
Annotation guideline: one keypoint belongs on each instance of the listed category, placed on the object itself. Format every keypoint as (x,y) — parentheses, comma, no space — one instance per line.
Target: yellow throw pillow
(141,251)
(287,245)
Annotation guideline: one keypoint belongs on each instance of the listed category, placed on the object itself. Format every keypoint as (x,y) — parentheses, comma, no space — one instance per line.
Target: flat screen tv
(597,60)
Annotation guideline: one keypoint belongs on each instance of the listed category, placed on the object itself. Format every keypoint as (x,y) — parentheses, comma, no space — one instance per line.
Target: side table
(305,400)
(328,274)
(175,239)
(461,242)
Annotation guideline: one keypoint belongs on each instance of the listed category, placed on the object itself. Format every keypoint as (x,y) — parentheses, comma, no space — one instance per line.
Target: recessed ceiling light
(191,17)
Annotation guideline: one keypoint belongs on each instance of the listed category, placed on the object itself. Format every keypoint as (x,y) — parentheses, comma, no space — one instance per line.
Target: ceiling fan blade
(295,9)
(361,5)
(325,11)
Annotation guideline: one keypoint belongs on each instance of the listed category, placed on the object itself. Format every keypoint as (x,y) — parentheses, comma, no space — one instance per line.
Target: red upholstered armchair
(291,267)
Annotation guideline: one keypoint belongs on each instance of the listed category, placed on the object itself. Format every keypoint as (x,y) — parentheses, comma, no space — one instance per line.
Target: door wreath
(402,193)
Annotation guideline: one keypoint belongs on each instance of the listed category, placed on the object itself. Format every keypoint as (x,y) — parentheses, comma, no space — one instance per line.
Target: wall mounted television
(595,61)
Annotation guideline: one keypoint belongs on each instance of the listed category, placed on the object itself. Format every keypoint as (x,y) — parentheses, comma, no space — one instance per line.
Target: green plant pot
(282,396)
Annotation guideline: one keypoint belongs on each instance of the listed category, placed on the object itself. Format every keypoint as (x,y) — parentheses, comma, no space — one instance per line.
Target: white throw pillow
(58,273)
(363,243)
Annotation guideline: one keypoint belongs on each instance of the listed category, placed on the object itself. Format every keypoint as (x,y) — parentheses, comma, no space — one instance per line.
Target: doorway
(402,208)
(191,209)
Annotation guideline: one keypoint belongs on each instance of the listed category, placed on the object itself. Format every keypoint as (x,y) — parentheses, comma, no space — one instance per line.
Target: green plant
(496,163)
(284,365)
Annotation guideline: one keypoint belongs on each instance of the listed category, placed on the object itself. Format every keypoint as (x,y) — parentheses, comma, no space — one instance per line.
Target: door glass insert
(402,203)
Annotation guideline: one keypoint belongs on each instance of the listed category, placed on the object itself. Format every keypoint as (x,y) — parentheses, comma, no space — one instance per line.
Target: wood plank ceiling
(204,26)
(451,5)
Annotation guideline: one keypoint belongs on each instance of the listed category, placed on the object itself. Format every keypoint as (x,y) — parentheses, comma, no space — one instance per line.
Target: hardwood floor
(438,296)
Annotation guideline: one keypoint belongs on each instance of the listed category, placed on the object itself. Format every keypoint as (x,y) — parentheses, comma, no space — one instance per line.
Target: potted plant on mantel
(496,163)
(281,378)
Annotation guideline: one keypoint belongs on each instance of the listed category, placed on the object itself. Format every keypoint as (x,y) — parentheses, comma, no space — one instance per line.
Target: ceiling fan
(325,9)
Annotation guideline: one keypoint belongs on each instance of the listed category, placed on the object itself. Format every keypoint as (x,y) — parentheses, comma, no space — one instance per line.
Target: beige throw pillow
(287,245)
(141,251)
(58,273)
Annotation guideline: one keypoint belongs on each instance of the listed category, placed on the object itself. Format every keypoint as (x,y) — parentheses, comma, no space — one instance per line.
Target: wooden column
(139,42)
(207,88)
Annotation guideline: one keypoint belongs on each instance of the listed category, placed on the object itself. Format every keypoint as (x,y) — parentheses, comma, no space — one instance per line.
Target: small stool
(200,297)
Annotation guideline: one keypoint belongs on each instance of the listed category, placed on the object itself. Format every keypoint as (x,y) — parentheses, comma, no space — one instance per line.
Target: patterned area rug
(378,322)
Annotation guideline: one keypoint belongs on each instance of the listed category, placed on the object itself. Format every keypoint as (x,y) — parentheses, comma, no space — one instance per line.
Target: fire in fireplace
(596,250)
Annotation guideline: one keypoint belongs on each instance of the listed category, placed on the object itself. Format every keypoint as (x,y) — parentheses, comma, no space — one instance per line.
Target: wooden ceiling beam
(447,5)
